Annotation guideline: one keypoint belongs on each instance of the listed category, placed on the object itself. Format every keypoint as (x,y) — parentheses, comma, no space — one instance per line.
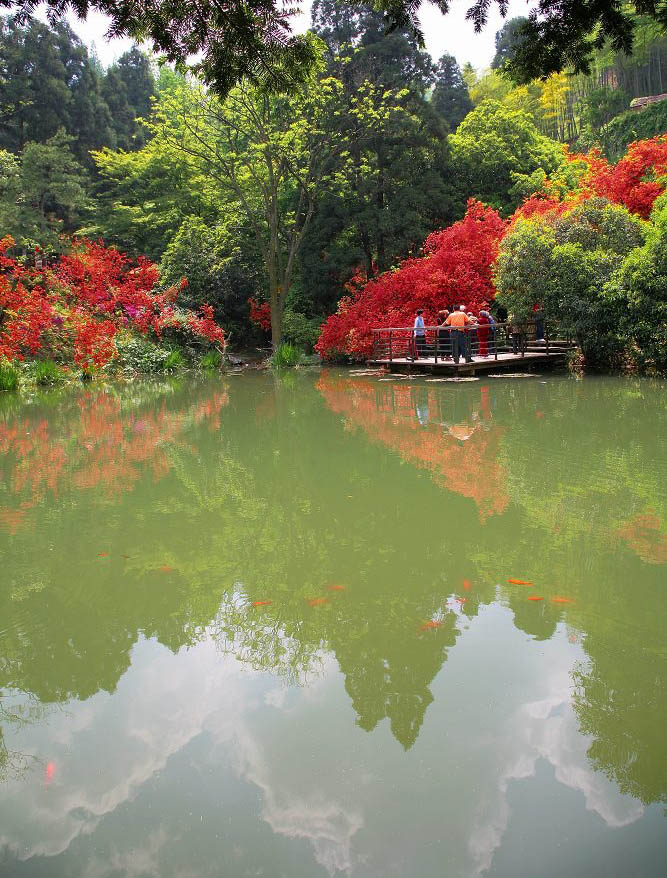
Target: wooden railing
(474,341)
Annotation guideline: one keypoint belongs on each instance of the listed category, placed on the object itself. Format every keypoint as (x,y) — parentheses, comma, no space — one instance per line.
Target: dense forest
(275,206)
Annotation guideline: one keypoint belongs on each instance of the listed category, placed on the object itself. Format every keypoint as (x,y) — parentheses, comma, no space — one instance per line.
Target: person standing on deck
(458,320)
(420,334)
(444,346)
(483,333)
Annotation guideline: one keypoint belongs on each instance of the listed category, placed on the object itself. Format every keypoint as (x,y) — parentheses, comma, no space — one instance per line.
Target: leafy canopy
(253,39)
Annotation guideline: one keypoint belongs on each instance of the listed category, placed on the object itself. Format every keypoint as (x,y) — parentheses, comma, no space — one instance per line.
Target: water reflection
(132,576)
(452,436)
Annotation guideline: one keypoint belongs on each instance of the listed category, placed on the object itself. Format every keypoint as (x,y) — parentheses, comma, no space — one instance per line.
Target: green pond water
(398,708)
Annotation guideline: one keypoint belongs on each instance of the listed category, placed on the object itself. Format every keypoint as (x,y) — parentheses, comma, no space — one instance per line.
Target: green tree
(46,196)
(267,156)
(563,262)
(450,95)
(508,38)
(640,287)
(222,267)
(128,87)
(37,68)
(390,186)
(494,149)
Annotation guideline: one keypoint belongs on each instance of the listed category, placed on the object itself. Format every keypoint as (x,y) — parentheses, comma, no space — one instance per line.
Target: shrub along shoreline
(93,311)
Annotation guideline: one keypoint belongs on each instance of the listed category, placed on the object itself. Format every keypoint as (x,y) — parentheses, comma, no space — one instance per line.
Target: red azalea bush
(77,307)
(455,269)
(260,314)
(635,180)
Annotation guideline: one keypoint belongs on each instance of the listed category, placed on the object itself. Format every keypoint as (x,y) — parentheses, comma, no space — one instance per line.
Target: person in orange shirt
(458,320)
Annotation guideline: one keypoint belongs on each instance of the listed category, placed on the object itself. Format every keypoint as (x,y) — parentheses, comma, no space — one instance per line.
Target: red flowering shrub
(635,180)
(455,269)
(77,308)
(260,314)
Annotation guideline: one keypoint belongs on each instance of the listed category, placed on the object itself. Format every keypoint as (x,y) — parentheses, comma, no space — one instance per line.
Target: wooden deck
(504,362)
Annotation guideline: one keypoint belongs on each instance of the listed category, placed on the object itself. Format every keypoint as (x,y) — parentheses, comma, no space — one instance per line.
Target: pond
(267,625)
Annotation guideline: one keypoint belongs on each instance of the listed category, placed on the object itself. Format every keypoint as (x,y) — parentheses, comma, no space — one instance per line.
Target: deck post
(391,356)
(546,336)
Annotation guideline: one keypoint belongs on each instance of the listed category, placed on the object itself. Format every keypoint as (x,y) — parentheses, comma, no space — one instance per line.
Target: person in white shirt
(419,333)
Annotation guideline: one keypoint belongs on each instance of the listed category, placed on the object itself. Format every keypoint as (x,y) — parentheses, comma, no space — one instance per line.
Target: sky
(450,34)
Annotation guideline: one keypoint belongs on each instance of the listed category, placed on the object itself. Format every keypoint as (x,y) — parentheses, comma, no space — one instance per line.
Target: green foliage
(494,148)
(390,184)
(508,39)
(600,106)
(42,195)
(639,288)
(49,82)
(211,361)
(301,331)
(9,376)
(173,361)
(137,353)
(222,265)
(630,126)
(563,263)
(286,356)
(450,96)
(44,372)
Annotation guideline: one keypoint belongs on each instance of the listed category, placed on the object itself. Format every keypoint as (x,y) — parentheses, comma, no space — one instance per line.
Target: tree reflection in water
(173,519)
(451,436)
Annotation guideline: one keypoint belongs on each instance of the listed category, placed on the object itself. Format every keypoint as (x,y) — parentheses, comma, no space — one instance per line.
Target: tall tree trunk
(276,319)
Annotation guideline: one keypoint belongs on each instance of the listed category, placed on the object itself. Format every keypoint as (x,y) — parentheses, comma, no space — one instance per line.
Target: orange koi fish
(572,638)
(557,599)
(261,603)
(317,602)
(49,772)
(539,414)
(166,568)
(535,597)
(432,623)
(519,581)
(336,587)
(102,554)
(461,600)
(467,584)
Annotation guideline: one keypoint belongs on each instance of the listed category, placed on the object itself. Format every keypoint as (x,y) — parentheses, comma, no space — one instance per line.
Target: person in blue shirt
(419,333)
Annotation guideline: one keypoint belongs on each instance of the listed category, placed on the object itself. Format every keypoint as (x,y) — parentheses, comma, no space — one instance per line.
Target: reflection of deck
(502,363)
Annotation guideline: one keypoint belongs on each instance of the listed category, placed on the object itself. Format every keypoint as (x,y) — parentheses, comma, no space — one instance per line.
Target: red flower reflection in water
(644,534)
(458,448)
(100,446)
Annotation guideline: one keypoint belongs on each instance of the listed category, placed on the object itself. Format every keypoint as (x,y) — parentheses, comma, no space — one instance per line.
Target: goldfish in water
(467,584)
(432,623)
(166,568)
(336,587)
(102,554)
(261,603)
(519,581)
(461,600)
(49,772)
(572,638)
(535,597)
(539,414)
(317,602)
(557,599)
